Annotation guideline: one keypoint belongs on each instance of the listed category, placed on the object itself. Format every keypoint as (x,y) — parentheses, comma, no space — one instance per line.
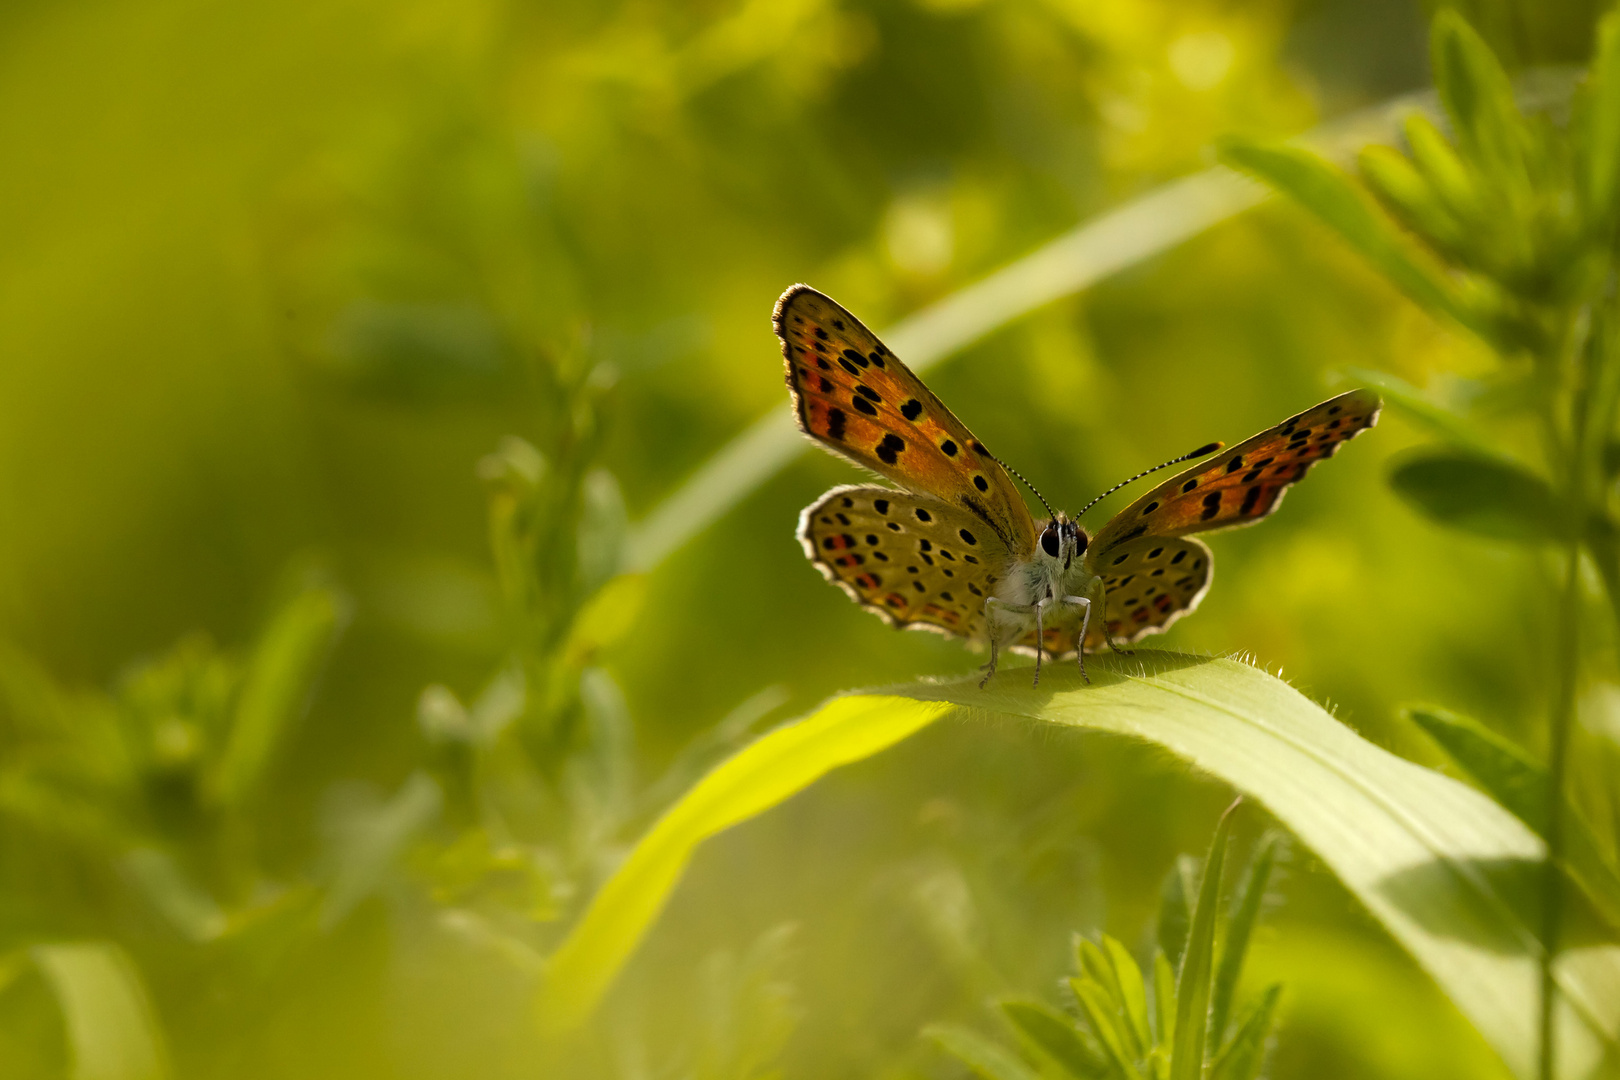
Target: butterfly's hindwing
(1244,483)
(855,397)
(910,559)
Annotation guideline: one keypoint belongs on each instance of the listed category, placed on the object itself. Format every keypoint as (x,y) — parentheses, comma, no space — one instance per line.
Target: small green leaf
(1478,494)
(1132,994)
(1448,177)
(1242,1058)
(1175,907)
(990,1060)
(1235,943)
(1193,986)
(1478,96)
(1407,195)
(606,618)
(1106,1024)
(276,688)
(112,1029)
(1057,1037)
(1330,195)
(1419,406)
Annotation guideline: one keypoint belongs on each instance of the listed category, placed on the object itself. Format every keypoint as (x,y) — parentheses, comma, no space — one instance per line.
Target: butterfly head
(1062,540)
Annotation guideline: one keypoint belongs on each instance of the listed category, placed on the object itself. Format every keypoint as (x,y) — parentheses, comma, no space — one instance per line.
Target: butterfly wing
(1243,483)
(1150,582)
(910,559)
(855,397)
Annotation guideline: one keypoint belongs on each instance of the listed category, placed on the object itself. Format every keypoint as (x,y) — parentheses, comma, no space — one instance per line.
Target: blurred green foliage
(339,343)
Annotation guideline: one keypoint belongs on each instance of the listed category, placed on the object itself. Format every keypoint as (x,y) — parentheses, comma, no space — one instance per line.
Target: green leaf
(1097,1006)
(1601,146)
(1132,994)
(1437,162)
(606,618)
(1242,1058)
(1423,852)
(370,840)
(1478,97)
(1478,494)
(1239,927)
(1406,193)
(1603,542)
(1520,783)
(1330,195)
(988,1059)
(276,688)
(1175,907)
(1056,1037)
(758,777)
(1197,967)
(112,1030)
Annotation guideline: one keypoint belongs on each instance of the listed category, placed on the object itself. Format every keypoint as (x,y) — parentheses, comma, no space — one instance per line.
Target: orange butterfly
(955,550)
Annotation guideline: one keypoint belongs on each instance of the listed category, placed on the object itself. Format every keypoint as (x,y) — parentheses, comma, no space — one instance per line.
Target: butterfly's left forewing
(1243,483)
(855,397)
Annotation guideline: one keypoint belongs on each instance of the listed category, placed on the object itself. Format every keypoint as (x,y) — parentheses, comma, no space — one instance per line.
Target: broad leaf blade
(1477,494)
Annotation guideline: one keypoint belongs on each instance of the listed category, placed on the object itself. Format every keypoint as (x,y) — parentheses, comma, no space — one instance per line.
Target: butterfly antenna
(1208,448)
(1049,511)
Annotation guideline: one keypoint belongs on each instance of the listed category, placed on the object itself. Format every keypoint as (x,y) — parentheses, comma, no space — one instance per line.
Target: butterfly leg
(993,604)
(1080,641)
(1101,599)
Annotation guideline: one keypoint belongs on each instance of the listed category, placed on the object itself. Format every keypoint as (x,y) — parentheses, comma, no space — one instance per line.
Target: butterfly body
(955,550)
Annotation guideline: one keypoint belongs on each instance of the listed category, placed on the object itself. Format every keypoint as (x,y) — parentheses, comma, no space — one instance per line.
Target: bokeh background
(275,278)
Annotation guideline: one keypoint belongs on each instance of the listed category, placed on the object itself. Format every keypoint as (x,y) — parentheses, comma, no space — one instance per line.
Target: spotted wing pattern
(911,559)
(1149,583)
(1242,484)
(855,397)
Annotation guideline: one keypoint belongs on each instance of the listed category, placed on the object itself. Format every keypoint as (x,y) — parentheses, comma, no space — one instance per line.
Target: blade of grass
(761,775)
(1197,967)
(1245,913)
(1241,1058)
(1426,854)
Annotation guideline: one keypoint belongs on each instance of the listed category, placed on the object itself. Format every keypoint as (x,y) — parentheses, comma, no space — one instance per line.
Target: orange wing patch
(1244,483)
(855,397)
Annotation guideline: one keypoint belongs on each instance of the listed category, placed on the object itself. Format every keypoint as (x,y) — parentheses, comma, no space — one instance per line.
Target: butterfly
(954,548)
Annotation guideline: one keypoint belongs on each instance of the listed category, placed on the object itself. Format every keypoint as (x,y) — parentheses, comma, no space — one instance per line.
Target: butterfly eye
(1049,541)
(1081,541)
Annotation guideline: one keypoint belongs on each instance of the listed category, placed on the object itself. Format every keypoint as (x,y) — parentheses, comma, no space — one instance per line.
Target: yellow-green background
(273,277)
